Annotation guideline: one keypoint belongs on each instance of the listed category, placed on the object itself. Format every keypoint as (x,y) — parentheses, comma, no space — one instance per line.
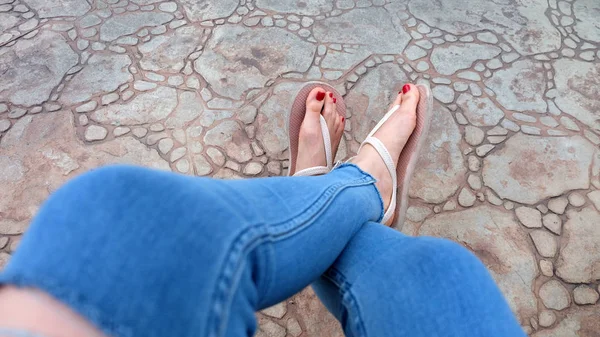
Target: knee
(99,190)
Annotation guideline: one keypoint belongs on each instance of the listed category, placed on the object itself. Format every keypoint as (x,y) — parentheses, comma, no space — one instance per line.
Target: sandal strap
(387,160)
(312,171)
(318,170)
(326,142)
(389,163)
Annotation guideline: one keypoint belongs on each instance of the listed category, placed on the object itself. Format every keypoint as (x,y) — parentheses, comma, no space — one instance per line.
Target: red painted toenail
(330,95)
(320,96)
(399,92)
(334,100)
(405,88)
(343,119)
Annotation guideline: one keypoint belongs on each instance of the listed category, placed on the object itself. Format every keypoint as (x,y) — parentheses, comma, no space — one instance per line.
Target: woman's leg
(140,252)
(388,284)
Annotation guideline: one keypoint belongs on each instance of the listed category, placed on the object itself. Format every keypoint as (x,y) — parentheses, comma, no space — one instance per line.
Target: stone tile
(189,108)
(168,52)
(587,26)
(33,67)
(95,132)
(533,180)
(500,242)
(103,73)
(558,205)
(518,22)
(308,7)
(232,68)
(553,223)
(131,22)
(224,134)
(441,167)
(270,117)
(529,217)
(198,11)
(448,59)
(582,322)
(577,83)
(480,111)
(54,8)
(580,253)
(544,242)
(554,295)
(374,30)
(584,294)
(148,107)
(520,86)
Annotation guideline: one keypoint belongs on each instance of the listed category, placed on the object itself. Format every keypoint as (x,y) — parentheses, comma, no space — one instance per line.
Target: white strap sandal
(318,170)
(408,158)
(297,116)
(387,160)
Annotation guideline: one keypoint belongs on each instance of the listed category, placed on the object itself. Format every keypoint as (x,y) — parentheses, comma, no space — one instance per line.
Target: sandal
(295,122)
(408,157)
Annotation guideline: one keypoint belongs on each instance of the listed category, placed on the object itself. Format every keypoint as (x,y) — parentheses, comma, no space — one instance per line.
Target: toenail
(330,95)
(405,88)
(320,96)
(343,119)
(334,100)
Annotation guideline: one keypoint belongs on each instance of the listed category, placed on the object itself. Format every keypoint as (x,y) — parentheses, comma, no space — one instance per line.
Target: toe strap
(327,142)
(389,163)
(318,170)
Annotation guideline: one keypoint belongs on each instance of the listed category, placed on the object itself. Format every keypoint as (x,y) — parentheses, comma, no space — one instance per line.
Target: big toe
(409,98)
(315,102)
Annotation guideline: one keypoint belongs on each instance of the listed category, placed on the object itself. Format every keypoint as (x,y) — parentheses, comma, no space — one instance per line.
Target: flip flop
(408,157)
(295,122)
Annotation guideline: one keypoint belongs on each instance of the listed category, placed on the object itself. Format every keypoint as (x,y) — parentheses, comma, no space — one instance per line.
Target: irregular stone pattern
(32,68)
(168,52)
(510,167)
(579,260)
(518,21)
(374,31)
(529,181)
(103,73)
(54,8)
(208,10)
(232,68)
(578,86)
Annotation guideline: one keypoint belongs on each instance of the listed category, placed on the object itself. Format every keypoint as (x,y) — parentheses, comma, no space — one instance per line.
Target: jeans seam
(348,300)
(254,236)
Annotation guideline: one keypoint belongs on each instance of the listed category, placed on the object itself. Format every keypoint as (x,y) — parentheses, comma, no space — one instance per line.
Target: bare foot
(311,149)
(394,134)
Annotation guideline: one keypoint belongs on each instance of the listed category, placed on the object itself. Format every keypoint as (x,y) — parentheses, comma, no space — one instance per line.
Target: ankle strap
(389,163)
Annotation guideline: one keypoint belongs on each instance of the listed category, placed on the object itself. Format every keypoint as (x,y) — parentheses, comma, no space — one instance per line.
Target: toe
(315,101)
(409,97)
(329,108)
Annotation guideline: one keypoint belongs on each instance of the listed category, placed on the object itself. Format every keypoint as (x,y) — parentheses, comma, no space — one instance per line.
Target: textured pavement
(511,168)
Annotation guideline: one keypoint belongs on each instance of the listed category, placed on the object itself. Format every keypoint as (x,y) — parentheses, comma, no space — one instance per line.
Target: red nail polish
(343,119)
(334,100)
(330,95)
(399,92)
(320,96)
(405,88)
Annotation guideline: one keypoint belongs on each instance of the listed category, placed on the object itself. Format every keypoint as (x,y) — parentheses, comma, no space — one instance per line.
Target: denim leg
(388,284)
(147,253)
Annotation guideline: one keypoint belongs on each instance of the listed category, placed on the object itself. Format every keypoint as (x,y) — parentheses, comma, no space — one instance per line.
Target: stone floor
(511,169)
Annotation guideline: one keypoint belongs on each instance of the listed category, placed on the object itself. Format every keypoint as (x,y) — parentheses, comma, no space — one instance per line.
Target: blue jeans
(139,252)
